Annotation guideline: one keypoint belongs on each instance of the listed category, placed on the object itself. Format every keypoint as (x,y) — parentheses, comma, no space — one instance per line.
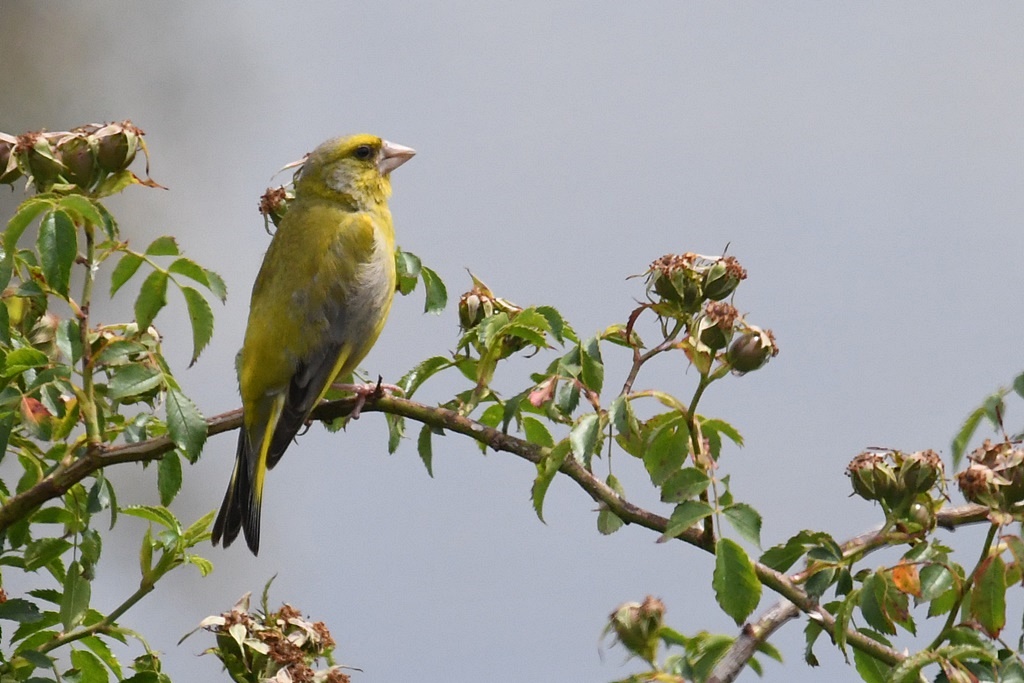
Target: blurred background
(864,162)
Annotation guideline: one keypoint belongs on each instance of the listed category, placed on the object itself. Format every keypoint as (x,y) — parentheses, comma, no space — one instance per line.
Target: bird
(318,305)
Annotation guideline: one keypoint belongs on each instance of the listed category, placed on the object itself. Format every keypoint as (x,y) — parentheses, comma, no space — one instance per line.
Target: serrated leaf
(101,650)
(684,484)
(537,433)
(22,218)
(607,521)
(425,448)
(737,589)
(592,372)
(217,286)
(872,604)
(423,371)
(39,552)
(20,360)
(746,520)
(58,248)
(547,468)
(152,297)
(134,380)
(407,267)
(396,430)
(123,271)
(19,610)
(185,424)
(168,479)
(583,436)
(156,514)
(82,207)
(666,453)
(988,596)
(165,245)
(69,339)
(935,580)
(724,428)
(436,292)
(190,269)
(201,316)
(870,669)
(75,601)
(89,666)
(685,515)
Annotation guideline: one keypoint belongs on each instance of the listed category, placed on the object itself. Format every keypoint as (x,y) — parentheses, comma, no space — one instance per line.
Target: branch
(96,458)
(728,668)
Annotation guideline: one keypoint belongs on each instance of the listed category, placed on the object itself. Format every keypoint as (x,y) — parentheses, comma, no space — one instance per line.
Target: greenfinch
(318,305)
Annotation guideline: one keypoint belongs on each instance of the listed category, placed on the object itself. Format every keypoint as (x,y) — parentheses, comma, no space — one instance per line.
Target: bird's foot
(365,391)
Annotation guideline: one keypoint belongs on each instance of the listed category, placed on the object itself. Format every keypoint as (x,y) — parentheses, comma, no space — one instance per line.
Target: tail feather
(240,510)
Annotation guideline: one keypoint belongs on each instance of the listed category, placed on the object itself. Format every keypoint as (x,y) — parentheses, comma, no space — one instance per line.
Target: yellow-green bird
(318,305)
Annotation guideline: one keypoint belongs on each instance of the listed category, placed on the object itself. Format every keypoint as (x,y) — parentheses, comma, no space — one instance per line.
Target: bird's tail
(241,507)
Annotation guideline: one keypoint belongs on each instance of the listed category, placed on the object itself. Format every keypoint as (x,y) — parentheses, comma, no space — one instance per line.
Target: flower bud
(79,158)
(722,278)
(714,328)
(872,477)
(274,204)
(41,159)
(9,171)
(995,477)
(636,625)
(919,471)
(751,350)
(116,146)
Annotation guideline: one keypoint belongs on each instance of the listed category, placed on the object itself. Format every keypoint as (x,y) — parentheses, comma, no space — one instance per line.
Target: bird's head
(354,170)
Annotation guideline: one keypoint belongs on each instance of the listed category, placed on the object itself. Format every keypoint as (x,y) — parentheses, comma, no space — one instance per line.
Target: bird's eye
(363,152)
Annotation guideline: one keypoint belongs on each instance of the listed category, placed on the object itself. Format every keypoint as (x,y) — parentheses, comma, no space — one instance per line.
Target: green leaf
(425,449)
(607,521)
(872,604)
(988,596)
(153,513)
(75,601)
(102,651)
(58,248)
(168,479)
(685,515)
(537,433)
(547,468)
(217,286)
(559,328)
(735,582)
(5,323)
(82,207)
(963,437)
(396,430)
(408,268)
(724,428)
(620,412)
(684,484)
(185,424)
(207,278)
(201,316)
(90,667)
(666,453)
(870,669)
(583,436)
(134,380)
(22,218)
(152,297)
(415,378)
(746,520)
(123,271)
(437,293)
(69,339)
(20,360)
(592,373)
(164,245)
(935,580)
(19,610)
(40,552)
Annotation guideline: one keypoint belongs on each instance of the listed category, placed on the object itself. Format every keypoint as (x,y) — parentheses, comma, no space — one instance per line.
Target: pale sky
(865,162)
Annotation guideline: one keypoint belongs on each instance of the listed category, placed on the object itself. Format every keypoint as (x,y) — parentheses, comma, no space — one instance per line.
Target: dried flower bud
(274,204)
(722,278)
(41,159)
(9,170)
(918,472)
(636,625)
(714,328)
(77,154)
(116,145)
(995,477)
(751,350)
(872,477)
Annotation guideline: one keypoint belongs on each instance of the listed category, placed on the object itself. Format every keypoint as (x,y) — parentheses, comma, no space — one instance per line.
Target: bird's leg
(365,391)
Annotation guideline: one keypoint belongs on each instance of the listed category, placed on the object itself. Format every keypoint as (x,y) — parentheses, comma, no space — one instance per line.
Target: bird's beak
(392,156)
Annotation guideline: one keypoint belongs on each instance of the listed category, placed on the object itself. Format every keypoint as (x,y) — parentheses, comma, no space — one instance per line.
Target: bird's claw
(365,391)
